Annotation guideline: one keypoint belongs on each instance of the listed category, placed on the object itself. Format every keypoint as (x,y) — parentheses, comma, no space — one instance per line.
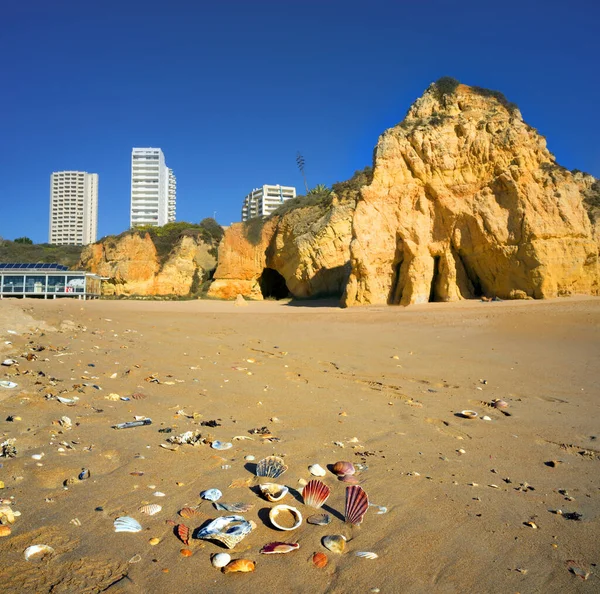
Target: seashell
(138,396)
(5,531)
(37,552)
(319,519)
(8,385)
(189,512)
(317,470)
(159,494)
(8,362)
(343,468)
(273,491)
(239,565)
(249,458)
(320,560)
(84,474)
(6,514)
(315,493)
(233,507)
(170,523)
(154,541)
(151,509)
(285,517)
(183,533)
(381,508)
(366,554)
(66,400)
(127,524)
(220,559)
(468,414)
(357,504)
(531,525)
(497,403)
(349,479)
(186,553)
(221,445)
(336,543)
(211,494)
(279,547)
(228,529)
(271,467)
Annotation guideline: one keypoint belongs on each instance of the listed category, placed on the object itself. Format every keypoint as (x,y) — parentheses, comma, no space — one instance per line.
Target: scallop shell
(468,414)
(36,552)
(279,509)
(190,512)
(233,507)
(319,519)
(127,524)
(239,565)
(211,494)
(150,509)
(317,470)
(336,543)
(228,529)
(343,468)
(271,467)
(183,533)
(315,493)
(366,554)
(357,504)
(220,560)
(279,547)
(273,491)
(320,560)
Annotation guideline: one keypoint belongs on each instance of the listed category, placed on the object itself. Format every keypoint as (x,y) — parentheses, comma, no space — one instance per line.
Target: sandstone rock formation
(134,267)
(466,200)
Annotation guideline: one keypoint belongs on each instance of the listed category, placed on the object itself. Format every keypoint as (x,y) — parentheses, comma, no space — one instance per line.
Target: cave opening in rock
(433,292)
(272,285)
(471,275)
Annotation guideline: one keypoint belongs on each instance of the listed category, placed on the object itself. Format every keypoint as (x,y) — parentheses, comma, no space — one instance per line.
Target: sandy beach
(509,504)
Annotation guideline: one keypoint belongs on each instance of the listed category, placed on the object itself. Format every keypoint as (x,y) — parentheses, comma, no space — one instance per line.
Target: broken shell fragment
(343,468)
(320,560)
(336,543)
(239,565)
(357,504)
(211,494)
(317,470)
(271,467)
(315,493)
(319,519)
(227,529)
(366,554)
(233,507)
(7,516)
(285,517)
(279,547)
(37,552)
(5,531)
(468,414)
(220,560)
(127,524)
(273,491)
(186,553)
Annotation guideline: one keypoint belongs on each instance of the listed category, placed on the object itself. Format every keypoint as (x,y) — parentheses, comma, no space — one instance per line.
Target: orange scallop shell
(239,565)
(186,553)
(320,560)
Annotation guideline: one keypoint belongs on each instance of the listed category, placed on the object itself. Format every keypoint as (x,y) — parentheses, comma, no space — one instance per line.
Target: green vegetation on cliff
(20,251)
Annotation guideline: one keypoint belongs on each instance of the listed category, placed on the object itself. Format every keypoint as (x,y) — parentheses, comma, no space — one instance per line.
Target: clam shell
(220,560)
(343,468)
(336,543)
(211,494)
(366,554)
(127,524)
(233,507)
(277,511)
(319,519)
(271,467)
(279,547)
(317,470)
(357,504)
(468,414)
(499,403)
(315,493)
(150,509)
(239,565)
(35,552)
(273,491)
(228,529)
(320,560)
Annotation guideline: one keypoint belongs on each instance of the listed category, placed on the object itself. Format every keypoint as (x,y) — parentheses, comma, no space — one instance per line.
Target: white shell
(8,362)
(37,552)
(127,524)
(275,511)
(220,559)
(151,509)
(211,494)
(221,445)
(7,384)
(366,554)
(317,470)
(229,530)
(273,491)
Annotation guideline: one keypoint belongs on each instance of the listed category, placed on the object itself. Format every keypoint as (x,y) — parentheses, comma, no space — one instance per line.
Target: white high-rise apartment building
(153,188)
(261,202)
(73,208)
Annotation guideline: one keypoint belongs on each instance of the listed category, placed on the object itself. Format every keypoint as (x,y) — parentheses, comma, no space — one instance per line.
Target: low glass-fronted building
(47,280)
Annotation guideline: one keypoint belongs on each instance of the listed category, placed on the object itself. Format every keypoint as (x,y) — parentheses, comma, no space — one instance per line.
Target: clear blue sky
(231,90)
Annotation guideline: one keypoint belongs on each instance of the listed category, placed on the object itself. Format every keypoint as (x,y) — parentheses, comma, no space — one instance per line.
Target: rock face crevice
(466,200)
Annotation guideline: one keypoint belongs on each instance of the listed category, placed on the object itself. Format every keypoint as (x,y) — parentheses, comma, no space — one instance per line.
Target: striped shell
(127,524)
(357,504)
(271,467)
(183,532)
(239,565)
(366,554)
(190,512)
(150,509)
(315,493)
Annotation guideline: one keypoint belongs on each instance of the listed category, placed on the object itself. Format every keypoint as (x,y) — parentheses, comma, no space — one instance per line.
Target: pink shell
(357,504)
(342,468)
(315,493)
(279,547)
